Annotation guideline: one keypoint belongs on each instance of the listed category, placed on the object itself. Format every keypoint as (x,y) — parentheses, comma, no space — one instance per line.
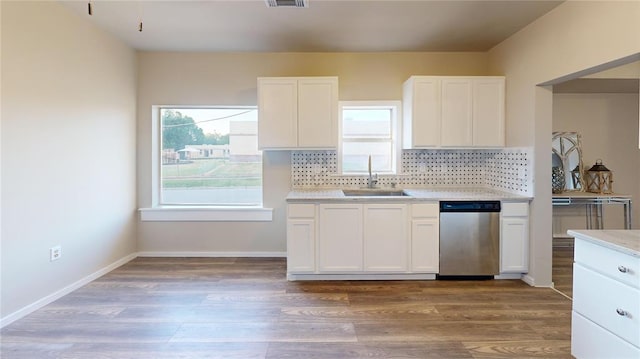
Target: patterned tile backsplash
(506,169)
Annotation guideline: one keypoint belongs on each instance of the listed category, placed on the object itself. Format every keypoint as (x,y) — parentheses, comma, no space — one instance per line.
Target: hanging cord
(139,16)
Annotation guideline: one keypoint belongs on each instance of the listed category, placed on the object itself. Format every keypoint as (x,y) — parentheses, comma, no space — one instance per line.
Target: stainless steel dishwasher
(469,238)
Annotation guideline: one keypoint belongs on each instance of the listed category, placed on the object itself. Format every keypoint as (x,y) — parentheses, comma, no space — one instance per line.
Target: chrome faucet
(373,179)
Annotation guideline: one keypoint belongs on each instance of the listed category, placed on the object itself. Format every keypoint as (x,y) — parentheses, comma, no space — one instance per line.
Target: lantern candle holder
(575,178)
(599,179)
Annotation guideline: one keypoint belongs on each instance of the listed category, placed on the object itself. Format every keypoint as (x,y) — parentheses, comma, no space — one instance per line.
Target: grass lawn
(211,173)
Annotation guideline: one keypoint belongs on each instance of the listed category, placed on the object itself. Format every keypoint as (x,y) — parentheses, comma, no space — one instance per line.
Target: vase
(557,180)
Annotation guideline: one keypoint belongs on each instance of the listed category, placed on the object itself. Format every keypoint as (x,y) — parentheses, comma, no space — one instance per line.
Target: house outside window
(209,156)
(369,128)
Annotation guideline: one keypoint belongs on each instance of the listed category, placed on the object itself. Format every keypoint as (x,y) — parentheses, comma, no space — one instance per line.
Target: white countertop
(622,240)
(440,194)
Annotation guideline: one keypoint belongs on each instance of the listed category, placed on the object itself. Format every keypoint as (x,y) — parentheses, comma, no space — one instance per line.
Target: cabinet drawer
(425,210)
(510,209)
(617,265)
(301,210)
(590,341)
(613,305)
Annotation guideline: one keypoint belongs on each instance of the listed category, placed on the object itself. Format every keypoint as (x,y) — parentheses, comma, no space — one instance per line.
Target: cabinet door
(421,112)
(318,112)
(277,113)
(488,112)
(457,109)
(425,245)
(514,245)
(385,238)
(617,311)
(340,238)
(301,243)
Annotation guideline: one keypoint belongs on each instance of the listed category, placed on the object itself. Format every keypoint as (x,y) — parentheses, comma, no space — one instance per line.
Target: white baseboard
(212,254)
(416,276)
(508,276)
(532,282)
(62,292)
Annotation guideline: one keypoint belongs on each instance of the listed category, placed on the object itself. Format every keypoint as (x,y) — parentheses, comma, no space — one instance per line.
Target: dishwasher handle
(469,206)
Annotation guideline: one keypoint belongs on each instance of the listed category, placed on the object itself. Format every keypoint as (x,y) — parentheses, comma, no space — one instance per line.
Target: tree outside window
(210,157)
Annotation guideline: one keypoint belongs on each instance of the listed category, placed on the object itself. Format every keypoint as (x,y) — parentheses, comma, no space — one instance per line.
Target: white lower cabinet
(340,238)
(396,240)
(301,238)
(514,237)
(425,238)
(591,341)
(385,238)
(606,303)
(362,240)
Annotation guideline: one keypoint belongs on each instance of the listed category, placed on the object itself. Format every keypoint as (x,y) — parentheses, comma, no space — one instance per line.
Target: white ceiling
(325,26)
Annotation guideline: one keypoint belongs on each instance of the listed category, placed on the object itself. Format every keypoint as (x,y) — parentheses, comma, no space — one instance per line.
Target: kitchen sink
(373,192)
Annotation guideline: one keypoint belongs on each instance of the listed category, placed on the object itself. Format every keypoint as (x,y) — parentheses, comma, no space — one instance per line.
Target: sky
(203,117)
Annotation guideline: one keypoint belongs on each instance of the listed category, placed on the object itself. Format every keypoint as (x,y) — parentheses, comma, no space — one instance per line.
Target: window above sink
(369,128)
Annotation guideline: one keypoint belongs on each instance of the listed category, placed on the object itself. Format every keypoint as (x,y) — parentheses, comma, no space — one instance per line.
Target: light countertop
(622,240)
(414,194)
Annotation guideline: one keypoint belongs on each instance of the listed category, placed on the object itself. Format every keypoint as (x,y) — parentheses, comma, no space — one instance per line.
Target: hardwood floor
(562,274)
(245,308)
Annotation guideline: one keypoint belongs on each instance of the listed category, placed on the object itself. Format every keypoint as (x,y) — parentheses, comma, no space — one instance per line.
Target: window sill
(206,214)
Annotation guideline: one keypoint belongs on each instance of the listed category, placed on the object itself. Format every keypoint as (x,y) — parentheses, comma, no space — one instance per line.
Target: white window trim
(207,214)
(197,213)
(396,135)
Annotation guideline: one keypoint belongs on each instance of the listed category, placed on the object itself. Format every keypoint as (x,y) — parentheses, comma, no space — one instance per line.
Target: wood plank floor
(245,308)
(562,274)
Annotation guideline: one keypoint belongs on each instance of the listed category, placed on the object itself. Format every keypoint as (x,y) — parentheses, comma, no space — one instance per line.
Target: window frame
(157,211)
(395,137)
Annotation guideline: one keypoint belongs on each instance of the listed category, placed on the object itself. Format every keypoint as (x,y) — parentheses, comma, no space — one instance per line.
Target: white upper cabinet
(488,111)
(297,112)
(453,112)
(456,123)
(277,112)
(420,109)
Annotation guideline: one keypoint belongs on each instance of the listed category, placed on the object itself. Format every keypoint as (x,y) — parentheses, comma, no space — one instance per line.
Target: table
(594,202)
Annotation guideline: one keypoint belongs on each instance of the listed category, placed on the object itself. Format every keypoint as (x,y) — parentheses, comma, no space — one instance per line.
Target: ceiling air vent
(287,3)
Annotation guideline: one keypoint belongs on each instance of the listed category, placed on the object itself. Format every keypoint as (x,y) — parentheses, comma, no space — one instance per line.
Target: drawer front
(611,304)
(425,210)
(590,341)
(620,266)
(301,210)
(515,209)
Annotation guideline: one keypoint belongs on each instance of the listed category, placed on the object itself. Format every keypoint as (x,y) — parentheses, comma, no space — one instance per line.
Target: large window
(209,156)
(369,129)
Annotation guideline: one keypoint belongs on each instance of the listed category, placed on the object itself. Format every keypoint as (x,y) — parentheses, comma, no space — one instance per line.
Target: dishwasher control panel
(470,206)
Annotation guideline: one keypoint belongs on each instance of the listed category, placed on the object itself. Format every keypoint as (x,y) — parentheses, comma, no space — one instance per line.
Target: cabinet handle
(623,269)
(622,312)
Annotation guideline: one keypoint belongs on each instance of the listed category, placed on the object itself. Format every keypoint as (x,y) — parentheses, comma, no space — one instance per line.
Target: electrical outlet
(55,253)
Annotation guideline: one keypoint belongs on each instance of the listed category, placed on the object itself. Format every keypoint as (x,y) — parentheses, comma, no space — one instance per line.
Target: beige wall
(574,39)
(68,151)
(608,124)
(71,86)
(230,79)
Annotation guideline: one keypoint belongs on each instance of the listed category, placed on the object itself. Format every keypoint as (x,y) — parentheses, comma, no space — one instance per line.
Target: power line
(213,119)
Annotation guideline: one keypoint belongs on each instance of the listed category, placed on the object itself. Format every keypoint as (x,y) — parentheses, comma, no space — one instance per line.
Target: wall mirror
(567,156)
